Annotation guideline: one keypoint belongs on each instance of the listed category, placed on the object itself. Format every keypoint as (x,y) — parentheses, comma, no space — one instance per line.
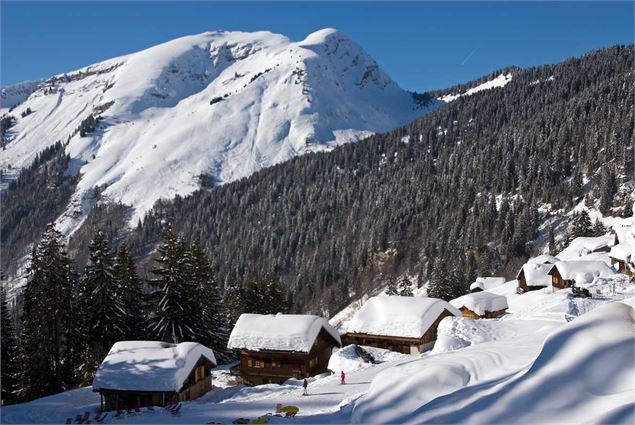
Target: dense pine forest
(464,188)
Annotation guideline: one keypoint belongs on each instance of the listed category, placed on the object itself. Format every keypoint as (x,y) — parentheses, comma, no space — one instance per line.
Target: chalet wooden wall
(488,314)
(263,367)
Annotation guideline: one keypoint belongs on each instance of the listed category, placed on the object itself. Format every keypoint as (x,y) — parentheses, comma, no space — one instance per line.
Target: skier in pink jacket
(343,377)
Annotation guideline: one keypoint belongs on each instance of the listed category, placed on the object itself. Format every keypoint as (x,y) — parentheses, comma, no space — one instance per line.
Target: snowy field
(552,359)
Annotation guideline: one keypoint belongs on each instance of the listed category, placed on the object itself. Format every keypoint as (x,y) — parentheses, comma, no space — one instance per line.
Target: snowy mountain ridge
(220,103)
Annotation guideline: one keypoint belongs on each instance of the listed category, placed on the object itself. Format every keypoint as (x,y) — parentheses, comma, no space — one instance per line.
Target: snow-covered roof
(149,365)
(406,317)
(582,246)
(583,271)
(486,283)
(625,249)
(480,302)
(279,332)
(622,251)
(536,274)
(544,259)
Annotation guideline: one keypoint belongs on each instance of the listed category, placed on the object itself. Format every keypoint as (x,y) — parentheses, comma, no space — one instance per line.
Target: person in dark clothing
(305,385)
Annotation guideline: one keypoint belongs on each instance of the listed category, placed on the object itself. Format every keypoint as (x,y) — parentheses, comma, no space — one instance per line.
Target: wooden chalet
(565,274)
(533,276)
(274,348)
(404,324)
(622,255)
(481,305)
(584,246)
(153,373)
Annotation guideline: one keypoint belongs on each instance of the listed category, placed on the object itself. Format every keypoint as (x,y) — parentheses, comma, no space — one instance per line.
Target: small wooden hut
(565,274)
(622,255)
(153,373)
(404,324)
(274,348)
(481,305)
(533,276)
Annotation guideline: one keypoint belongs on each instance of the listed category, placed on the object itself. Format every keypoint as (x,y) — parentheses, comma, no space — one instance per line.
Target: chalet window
(313,362)
(259,364)
(275,363)
(199,373)
(249,363)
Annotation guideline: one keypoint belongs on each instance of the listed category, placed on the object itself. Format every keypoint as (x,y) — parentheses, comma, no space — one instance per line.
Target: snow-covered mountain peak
(222,103)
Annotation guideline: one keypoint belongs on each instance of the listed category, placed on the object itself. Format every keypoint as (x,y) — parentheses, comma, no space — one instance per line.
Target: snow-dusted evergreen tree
(552,242)
(212,327)
(233,300)
(8,346)
(437,284)
(580,225)
(405,287)
(607,189)
(599,229)
(391,285)
(130,293)
(264,294)
(103,309)
(445,282)
(173,301)
(49,342)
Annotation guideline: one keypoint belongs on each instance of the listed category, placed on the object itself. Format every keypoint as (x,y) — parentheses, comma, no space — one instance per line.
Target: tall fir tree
(599,229)
(264,294)
(438,279)
(49,343)
(8,346)
(212,327)
(580,225)
(553,250)
(173,296)
(103,309)
(130,292)
(233,298)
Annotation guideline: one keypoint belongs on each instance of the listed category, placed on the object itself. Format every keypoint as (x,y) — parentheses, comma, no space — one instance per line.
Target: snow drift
(584,373)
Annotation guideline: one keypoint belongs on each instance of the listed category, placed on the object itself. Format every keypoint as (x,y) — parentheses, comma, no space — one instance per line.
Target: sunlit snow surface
(223,103)
(501,81)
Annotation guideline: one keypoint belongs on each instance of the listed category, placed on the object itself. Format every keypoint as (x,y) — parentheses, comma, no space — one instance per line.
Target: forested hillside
(466,186)
(37,197)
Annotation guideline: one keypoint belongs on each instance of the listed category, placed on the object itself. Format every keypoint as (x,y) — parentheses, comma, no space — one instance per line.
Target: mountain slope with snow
(222,103)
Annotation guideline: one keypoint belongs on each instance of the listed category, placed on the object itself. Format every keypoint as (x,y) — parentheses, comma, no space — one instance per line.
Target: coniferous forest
(458,193)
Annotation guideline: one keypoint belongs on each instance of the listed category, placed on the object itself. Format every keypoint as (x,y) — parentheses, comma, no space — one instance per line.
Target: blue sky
(421,45)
